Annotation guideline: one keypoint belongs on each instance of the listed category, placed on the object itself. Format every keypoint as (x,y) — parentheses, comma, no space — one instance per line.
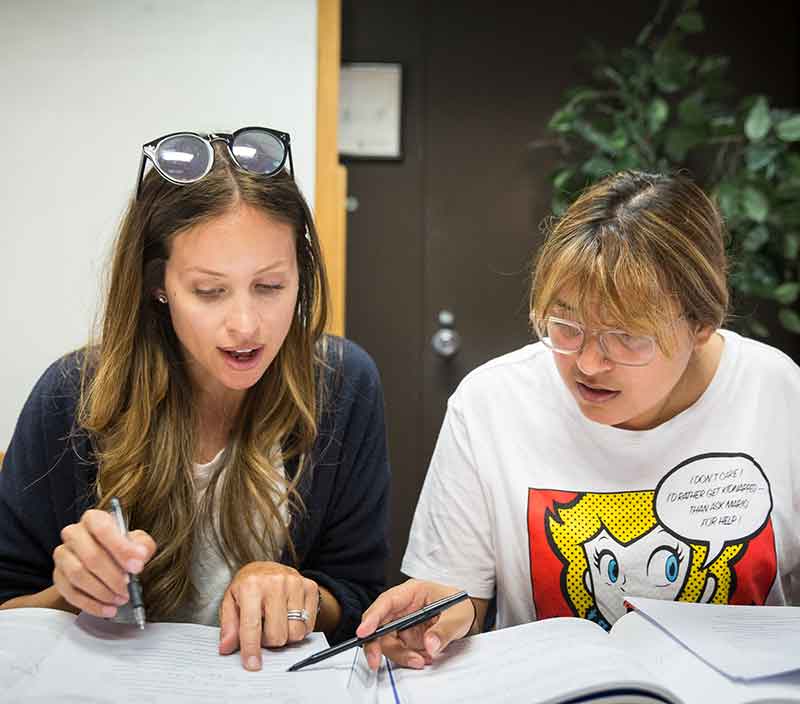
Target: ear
(587,581)
(702,335)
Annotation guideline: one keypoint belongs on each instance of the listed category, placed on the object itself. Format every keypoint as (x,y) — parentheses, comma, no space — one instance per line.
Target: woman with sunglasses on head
(246,447)
(637,449)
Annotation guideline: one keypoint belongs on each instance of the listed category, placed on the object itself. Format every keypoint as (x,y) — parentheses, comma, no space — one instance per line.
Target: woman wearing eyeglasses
(637,449)
(246,448)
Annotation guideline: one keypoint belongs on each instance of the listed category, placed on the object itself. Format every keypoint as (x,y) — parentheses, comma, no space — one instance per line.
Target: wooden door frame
(330,189)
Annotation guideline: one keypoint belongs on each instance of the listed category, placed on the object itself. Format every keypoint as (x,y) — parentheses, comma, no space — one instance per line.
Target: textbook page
(35,631)
(553,660)
(742,641)
(97,661)
(689,677)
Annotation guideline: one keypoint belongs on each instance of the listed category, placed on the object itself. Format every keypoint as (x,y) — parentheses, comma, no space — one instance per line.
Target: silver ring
(297,615)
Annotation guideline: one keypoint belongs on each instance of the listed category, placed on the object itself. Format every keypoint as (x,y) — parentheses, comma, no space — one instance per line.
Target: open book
(575,660)
(663,652)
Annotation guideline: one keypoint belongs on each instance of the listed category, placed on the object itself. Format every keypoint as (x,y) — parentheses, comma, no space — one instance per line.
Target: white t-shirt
(561,516)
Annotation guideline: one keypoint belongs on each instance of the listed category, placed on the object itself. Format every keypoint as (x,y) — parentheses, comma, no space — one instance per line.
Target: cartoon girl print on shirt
(590,551)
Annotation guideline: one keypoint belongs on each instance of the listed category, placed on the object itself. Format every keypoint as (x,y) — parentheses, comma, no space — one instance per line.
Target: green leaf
(562,177)
(657,114)
(691,22)
(793,164)
(631,159)
(758,328)
(728,199)
(755,203)
(789,130)
(610,143)
(759,155)
(612,75)
(598,166)
(691,110)
(789,319)
(758,120)
(679,140)
(671,69)
(791,245)
(644,34)
(563,120)
(756,238)
(560,204)
(713,65)
(787,293)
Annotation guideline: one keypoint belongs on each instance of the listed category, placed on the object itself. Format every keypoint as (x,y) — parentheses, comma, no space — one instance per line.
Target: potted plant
(657,106)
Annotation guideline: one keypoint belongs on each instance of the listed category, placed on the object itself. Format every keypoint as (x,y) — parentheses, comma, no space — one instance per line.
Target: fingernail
(141,551)
(253,663)
(109,611)
(434,644)
(119,600)
(416,661)
(134,566)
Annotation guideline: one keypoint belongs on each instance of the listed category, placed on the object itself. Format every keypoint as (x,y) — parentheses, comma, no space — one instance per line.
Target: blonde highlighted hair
(636,251)
(137,402)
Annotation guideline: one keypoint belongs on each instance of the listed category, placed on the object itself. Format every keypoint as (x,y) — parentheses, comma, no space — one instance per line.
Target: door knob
(446,341)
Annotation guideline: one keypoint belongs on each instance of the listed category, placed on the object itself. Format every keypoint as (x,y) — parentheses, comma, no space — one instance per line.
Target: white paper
(29,634)
(687,676)
(98,661)
(541,662)
(744,642)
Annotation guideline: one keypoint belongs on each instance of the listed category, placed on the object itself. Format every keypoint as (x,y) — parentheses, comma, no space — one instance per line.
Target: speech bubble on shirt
(717,498)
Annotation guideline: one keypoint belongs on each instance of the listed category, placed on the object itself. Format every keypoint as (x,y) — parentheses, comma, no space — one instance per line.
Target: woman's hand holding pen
(93,562)
(415,647)
(266,604)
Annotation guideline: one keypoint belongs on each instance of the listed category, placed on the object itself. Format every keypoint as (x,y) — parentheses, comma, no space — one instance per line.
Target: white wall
(83,83)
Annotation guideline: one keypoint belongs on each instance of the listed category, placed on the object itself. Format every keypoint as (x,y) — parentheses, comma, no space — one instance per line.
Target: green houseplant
(657,106)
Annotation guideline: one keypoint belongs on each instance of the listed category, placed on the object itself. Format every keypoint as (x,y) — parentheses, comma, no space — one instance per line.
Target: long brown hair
(137,400)
(646,248)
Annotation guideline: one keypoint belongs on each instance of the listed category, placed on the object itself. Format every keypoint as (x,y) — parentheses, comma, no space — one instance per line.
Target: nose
(242,319)
(591,359)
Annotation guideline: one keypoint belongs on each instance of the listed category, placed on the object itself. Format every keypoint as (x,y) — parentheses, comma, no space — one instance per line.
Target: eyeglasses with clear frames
(618,346)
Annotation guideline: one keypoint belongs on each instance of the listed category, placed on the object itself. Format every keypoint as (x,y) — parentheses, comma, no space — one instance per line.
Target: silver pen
(134,587)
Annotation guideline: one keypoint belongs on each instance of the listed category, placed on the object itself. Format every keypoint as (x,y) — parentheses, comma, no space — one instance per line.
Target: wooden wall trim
(331,177)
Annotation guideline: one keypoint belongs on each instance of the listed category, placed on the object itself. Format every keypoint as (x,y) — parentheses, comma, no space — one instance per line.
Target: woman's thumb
(453,624)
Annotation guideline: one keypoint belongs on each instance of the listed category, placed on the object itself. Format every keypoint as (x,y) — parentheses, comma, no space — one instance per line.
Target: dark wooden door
(454,224)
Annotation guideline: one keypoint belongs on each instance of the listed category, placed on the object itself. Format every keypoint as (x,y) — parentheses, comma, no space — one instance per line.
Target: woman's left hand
(256,608)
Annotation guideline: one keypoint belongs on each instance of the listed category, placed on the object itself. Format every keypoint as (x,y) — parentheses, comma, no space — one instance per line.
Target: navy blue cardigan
(341,540)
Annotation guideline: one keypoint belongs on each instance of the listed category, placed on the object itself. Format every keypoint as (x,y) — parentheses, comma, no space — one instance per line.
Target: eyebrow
(210,272)
(566,306)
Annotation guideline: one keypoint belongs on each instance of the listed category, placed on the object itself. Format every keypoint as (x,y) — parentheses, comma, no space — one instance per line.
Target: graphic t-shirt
(558,515)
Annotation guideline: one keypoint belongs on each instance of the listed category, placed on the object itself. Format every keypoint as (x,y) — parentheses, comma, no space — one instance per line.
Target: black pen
(400,624)
(134,588)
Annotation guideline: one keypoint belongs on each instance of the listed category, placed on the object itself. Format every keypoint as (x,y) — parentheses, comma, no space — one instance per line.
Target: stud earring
(161,298)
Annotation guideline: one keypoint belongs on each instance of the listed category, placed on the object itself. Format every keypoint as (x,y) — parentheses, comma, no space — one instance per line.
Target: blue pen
(134,587)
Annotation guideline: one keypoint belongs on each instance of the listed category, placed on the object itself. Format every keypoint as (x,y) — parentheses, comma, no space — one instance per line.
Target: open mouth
(594,394)
(242,358)
(244,354)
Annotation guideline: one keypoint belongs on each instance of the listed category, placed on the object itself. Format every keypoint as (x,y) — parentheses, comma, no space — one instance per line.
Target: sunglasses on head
(186,157)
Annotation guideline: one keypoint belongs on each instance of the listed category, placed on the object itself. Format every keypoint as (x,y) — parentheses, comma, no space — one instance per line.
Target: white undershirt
(209,573)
